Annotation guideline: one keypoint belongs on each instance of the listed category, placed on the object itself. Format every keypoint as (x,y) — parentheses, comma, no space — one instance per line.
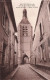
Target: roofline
(10,8)
(38,13)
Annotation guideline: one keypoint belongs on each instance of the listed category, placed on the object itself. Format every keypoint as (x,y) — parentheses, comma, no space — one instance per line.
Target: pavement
(45,64)
(10,76)
(27,72)
(41,73)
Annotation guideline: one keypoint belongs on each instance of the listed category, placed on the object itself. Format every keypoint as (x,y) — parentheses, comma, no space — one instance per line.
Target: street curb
(11,75)
(41,73)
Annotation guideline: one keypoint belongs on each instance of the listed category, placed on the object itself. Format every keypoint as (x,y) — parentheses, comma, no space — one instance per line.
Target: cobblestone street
(25,73)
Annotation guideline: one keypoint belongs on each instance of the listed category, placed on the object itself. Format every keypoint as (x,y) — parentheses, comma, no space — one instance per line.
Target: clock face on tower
(25,31)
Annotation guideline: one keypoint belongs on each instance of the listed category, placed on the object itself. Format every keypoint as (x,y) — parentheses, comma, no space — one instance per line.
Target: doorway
(25,59)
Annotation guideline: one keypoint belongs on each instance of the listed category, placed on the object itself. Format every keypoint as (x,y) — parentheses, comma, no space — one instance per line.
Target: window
(43,28)
(39,49)
(49,41)
(25,31)
(41,35)
(6,23)
(40,29)
(49,6)
(5,20)
(33,37)
(42,46)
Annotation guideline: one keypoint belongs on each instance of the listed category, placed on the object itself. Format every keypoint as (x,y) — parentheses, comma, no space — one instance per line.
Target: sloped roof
(25,21)
(38,13)
(10,8)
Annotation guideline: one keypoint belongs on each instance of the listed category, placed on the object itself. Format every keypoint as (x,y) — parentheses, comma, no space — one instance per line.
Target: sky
(32,7)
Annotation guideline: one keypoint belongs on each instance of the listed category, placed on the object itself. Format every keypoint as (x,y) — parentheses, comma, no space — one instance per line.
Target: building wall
(43,18)
(11,44)
(9,54)
(3,38)
(7,39)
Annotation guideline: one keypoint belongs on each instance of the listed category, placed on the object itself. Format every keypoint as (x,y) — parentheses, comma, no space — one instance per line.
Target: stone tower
(24,37)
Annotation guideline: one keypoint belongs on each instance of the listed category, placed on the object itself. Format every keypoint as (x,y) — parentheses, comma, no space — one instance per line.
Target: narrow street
(25,73)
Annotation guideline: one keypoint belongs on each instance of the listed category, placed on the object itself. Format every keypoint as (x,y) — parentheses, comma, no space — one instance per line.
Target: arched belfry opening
(25,59)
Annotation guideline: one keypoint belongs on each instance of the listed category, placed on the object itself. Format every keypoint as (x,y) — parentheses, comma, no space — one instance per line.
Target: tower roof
(25,19)
(25,13)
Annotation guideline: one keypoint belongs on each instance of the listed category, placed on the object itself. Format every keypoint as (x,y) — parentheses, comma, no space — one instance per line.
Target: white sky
(31,12)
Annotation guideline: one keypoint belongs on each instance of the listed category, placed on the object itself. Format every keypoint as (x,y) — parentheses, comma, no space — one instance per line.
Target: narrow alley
(24,39)
(25,73)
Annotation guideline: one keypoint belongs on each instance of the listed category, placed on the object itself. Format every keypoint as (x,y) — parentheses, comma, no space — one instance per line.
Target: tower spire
(25,13)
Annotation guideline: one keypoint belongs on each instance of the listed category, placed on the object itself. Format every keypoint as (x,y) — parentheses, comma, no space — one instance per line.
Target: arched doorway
(25,59)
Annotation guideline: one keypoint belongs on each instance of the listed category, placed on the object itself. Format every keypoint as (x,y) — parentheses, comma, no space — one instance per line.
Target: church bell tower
(24,37)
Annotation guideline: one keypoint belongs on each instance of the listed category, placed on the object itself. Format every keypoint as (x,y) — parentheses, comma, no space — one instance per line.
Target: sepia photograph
(24,39)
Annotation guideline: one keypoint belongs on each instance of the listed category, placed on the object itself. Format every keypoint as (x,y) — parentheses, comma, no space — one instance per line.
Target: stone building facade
(41,38)
(7,37)
(24,38)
